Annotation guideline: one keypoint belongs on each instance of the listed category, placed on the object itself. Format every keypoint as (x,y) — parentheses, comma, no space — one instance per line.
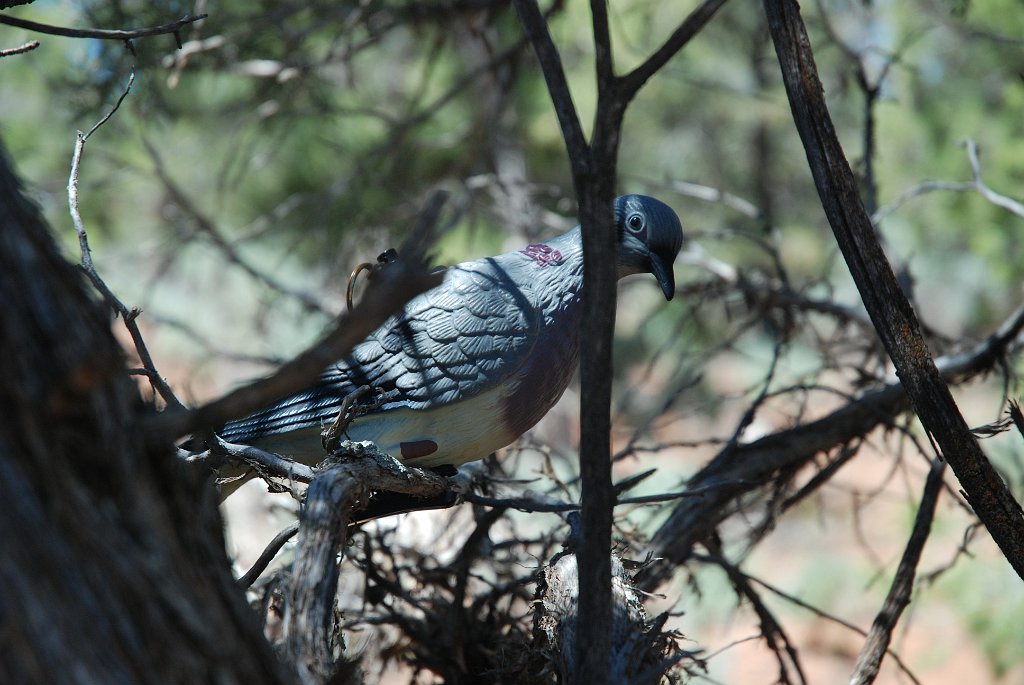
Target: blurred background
(248,172)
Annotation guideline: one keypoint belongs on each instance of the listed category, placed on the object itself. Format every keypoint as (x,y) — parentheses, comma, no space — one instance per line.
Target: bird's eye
(635,222)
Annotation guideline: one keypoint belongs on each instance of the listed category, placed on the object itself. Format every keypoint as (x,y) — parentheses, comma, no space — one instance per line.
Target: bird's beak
(662,270)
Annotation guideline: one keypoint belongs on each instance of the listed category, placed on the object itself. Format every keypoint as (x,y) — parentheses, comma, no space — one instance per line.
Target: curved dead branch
(340,488)
(741,469)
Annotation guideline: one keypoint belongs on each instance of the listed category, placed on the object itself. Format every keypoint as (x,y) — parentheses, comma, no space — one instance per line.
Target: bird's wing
(465,336)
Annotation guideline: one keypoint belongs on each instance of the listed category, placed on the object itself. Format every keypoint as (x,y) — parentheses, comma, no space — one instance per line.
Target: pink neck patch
(542,254)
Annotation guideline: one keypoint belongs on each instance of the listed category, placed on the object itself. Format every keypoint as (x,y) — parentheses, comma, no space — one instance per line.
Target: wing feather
(463,337)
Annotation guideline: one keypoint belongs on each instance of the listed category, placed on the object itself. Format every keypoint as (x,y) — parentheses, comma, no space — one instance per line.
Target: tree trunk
(112,559)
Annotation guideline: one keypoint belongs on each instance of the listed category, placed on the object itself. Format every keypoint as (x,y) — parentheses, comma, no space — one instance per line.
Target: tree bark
(891,313)
(112,559)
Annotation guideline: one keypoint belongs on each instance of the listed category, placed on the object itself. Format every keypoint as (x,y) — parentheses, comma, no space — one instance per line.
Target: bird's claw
(331,436)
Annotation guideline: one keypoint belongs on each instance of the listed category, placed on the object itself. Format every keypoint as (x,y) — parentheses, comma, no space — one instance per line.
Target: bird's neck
(570,246)
(555,257)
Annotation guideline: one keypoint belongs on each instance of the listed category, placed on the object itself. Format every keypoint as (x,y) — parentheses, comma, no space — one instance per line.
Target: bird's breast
(448,434)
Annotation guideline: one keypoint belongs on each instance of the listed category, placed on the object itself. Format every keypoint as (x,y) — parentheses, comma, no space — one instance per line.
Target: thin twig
(976,184)
(102,34)
(76,217)
(672,496)
(771,629)
(877,644)
(526,503)
(992,196)
(271,550)
(690,27)
(21,49)
(916,191)
(710,194)
(128,316)
(793,599)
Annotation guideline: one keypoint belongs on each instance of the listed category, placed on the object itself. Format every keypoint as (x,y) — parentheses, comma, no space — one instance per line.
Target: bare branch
(536,30)
(992,196)
(603,59)
(759,463)
(916,191)
(691,26)
(709,194)
(523,503)
(336,492)
(893,316)
(76,217)
(593,168)
(127,316)
(103,34)
(269,462)
(975,185)
(870,659)
(273,547)
(21,49)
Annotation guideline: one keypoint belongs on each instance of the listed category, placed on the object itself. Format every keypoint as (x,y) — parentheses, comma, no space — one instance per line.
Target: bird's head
(650,237)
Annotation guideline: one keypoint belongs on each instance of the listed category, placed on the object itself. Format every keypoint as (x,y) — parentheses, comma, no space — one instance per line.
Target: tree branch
(536,30)
(976,184)
(894,318)
(21,49)
(759,463)
(604,63)
(999,200)
(771,630)
(870,659)
(335,493)
(128,316)
(593,168)
(103,34)
(273,547)
(690,27)
(594,178)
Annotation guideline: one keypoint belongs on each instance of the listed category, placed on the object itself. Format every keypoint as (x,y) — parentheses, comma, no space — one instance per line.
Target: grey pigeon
(470,365)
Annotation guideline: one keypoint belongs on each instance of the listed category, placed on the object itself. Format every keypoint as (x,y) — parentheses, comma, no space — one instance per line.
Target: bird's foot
(331,436)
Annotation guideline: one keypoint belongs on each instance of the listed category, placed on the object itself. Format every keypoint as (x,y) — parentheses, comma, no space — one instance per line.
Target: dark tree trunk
(112,560)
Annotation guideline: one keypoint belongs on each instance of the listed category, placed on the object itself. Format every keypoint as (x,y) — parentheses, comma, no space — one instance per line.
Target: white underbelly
(464,431)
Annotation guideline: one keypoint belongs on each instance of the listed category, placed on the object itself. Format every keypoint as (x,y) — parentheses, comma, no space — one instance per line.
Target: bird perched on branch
(470,365)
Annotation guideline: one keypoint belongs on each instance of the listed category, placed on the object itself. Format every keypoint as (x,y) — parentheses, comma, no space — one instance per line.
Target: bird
(470,365)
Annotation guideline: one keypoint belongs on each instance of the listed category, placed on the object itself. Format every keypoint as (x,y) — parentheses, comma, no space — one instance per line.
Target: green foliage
(348,112)
(993,611)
